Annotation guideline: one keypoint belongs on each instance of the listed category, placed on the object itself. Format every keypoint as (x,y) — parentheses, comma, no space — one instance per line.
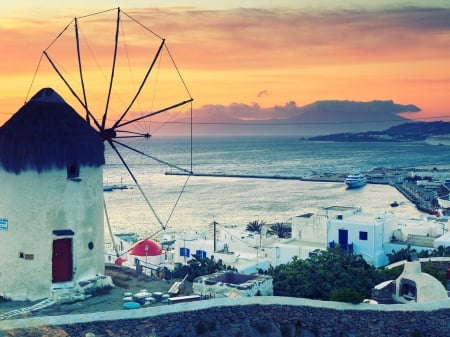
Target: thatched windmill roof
(47,133)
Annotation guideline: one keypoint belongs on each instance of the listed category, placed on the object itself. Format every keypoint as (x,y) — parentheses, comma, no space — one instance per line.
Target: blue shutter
(185,251)
(201,254)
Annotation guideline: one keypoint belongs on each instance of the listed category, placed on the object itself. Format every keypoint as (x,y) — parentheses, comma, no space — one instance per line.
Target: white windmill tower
(51,169)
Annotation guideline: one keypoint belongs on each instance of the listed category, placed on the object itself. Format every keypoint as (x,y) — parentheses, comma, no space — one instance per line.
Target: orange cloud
(229,56)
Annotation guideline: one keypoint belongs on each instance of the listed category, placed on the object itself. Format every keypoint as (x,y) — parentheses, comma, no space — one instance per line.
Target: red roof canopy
(146,247)
(120,260)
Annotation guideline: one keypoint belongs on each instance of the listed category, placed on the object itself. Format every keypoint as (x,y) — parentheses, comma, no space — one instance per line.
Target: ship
(355,180)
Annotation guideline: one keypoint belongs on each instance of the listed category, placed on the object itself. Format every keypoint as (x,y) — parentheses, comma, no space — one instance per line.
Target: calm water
(183,203)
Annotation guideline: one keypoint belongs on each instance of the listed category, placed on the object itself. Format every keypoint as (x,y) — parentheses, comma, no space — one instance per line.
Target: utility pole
(214,228)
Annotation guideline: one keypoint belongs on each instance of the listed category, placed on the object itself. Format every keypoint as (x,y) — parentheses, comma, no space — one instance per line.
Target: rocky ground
(124,279)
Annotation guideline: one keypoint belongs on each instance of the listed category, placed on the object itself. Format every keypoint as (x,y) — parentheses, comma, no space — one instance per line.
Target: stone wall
(248,317)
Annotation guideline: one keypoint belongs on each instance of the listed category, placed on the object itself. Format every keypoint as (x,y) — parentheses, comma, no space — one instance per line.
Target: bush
(346,295)
(436,271)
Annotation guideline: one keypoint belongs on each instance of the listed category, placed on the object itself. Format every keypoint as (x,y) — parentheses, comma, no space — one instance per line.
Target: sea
(161,198)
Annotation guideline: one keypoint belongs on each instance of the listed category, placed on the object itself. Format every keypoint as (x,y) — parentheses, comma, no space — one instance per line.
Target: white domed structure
(414,286)
(51,210)
(148,251)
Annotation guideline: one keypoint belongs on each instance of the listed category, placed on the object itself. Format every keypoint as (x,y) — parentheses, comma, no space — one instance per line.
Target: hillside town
(372,236)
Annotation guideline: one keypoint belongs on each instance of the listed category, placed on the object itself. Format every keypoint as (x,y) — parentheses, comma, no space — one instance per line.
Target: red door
(62,260)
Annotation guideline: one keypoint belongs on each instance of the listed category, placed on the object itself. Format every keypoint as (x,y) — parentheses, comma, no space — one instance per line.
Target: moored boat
(355,180)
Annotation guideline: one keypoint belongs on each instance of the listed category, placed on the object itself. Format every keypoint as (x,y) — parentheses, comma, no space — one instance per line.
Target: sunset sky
(250,59)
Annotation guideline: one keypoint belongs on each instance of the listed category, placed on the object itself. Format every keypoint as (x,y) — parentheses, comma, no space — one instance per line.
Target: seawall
(424,200)
(249,316)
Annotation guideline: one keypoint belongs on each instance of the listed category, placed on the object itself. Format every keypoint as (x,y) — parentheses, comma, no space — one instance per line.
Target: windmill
(94,60)
(52,157)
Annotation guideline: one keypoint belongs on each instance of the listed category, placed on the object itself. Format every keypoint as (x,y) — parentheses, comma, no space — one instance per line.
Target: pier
(224,175)
(316,177)
(424,199)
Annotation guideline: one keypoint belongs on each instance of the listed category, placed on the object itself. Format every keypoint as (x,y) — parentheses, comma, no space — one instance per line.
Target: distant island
(417,131)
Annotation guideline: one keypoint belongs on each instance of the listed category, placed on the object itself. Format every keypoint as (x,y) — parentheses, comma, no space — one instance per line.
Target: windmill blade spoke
(80,70)
(71,89)
(109,228)
(113,69)
(151,157)
(132,136)
(154,113)
(137,183)
(116,124)
(134,133)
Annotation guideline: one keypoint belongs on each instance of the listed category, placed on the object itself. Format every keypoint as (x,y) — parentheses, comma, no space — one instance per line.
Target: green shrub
(436,271)
(346,295)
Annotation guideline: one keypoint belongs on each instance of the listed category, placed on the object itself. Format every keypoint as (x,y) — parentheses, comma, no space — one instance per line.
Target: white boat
(355,180)
(110,188)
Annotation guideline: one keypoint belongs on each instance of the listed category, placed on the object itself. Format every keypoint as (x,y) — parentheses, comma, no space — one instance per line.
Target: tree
(346,295)
(325,272)
(436,271)
(399,255)
(255,226)
(403,253)
(199,266)
(281,230)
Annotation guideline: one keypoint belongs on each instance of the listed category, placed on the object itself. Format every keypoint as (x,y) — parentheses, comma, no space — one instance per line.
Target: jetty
(425,199)
(228,175)
(373,178)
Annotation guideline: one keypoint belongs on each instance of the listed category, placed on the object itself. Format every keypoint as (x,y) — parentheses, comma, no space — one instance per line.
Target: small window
(363,236)
(200,254)
(185,252)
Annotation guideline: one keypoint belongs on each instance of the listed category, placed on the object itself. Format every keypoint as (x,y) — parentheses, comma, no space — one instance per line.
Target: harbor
(421,186)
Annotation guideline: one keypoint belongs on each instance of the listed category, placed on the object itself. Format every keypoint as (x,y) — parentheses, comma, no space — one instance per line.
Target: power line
(247,123)
(299,123)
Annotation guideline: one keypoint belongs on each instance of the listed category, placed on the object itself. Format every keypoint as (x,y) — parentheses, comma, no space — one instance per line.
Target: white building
(51,209)
(366,234)
(234,246)
(362,233)
(232,284)
(372,236)
(191,243)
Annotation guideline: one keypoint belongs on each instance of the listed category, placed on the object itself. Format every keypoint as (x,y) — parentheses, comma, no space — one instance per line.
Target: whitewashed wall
(36,204)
